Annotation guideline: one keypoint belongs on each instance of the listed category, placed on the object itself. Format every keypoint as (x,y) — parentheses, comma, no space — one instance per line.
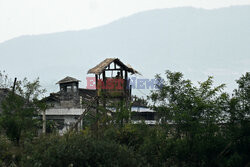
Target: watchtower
(111,79)
(69,92)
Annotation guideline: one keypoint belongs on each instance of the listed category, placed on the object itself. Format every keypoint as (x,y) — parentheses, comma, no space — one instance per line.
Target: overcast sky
(22,17)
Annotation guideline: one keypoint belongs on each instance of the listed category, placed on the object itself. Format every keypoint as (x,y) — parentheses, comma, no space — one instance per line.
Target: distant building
(111,85)
(141,114)
(65,106)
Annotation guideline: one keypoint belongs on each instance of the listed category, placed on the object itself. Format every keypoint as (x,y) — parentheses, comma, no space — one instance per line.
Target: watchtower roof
(104,64)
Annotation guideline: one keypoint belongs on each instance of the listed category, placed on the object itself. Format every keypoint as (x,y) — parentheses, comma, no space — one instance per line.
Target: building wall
(67,115)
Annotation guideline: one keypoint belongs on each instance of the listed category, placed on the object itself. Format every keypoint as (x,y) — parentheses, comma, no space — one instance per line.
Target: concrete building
(65,106)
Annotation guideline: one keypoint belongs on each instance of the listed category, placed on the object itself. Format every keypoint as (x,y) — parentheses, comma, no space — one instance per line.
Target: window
(69,89)
(74,88)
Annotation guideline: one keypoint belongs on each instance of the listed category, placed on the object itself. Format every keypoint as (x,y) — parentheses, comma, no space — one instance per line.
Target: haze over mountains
(196,42)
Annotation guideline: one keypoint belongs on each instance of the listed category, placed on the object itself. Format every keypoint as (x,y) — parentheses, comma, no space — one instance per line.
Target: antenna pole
(14,85)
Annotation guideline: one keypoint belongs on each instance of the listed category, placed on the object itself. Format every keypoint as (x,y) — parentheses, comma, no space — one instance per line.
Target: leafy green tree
(122,114)
(194,114)
(139,101)
(19,110)
(237,132)
(242,94)
(78,150)
(5,81)
(5,153)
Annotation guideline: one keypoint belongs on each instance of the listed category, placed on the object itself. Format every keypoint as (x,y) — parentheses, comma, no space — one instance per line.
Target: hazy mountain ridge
(195,41)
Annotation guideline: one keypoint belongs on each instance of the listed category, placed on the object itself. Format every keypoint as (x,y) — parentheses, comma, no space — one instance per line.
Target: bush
(5,155)
(78,150)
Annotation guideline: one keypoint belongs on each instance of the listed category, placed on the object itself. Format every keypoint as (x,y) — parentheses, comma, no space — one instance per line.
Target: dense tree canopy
(199,125)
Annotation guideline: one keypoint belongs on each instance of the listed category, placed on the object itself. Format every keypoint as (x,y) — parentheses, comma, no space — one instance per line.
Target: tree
(237,132)
(242,95)
(78,150)
(20,110)
(5,81)
(139,101)
(194,114)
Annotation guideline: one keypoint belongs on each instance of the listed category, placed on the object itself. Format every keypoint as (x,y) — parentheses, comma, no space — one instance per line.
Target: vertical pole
(44,121)
(125,88)
(104,90)
(14,85)
(97,102)
(126,81)
(96,84)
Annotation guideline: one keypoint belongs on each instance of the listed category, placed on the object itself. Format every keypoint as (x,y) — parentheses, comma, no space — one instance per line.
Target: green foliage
(237,128)
(139,101)
(122,114)
(5,153)
(199,125)
(78,150)
(242,97)
(20,109)
(5,81)
(30,91)
(106,117)
(198,117)
(16,117)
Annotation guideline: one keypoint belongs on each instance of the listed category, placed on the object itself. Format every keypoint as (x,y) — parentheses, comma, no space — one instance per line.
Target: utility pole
(44,121)
(14,86)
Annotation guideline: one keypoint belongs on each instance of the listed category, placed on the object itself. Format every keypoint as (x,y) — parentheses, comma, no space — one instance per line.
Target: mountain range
(197,42)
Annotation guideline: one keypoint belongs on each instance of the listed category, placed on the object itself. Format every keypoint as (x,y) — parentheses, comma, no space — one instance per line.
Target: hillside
(196,42)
